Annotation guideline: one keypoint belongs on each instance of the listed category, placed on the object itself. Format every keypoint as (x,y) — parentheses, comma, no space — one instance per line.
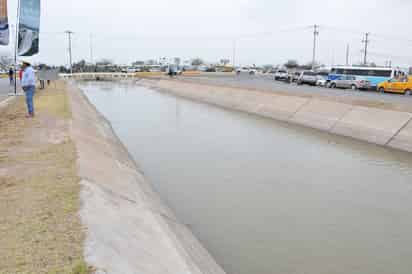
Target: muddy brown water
(267,197)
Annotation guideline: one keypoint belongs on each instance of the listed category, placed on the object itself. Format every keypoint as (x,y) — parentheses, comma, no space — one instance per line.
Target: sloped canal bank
(263,196)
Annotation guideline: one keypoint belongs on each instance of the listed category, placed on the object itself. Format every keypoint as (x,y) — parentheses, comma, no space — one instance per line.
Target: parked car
(131,70)
(281,75)
(307,77)
(250,71)
(403,86)
(294,77)
(210,69)
(322,80)
(351,82)
(173,70)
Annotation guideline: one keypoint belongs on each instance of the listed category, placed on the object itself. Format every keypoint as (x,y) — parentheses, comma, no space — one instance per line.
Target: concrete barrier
(128,228)
(149,74)
(4,103)
(371,124)
(191,73)
(320,114)
(403,140)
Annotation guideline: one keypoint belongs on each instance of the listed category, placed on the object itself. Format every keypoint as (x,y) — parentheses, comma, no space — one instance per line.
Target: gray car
(350,82)
(307,77)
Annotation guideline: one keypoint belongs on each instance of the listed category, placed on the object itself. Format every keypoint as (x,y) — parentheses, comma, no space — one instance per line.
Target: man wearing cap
(28,83)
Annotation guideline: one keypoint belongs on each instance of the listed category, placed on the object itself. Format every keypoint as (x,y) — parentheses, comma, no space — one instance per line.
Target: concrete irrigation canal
(262,196)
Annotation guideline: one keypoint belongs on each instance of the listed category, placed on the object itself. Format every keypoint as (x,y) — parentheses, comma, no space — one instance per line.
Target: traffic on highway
(390,80)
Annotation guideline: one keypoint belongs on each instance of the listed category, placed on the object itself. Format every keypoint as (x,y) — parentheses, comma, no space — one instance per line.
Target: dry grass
(40,230)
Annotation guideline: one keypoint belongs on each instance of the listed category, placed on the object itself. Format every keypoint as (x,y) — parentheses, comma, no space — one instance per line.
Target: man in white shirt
(28,83)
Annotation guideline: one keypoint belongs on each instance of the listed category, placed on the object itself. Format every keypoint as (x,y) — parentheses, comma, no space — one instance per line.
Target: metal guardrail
(117,75)
(101,75)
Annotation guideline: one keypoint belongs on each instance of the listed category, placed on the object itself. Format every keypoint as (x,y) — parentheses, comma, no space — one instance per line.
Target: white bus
(374,75)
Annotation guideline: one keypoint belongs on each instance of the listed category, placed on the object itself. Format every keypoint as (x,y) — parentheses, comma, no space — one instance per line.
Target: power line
(274,32)
(385,37)
(231,36)
(51,32)
(341,29)
(386,55)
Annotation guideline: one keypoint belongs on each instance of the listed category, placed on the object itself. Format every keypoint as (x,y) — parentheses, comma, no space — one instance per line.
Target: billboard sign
(29,27)
(4,24)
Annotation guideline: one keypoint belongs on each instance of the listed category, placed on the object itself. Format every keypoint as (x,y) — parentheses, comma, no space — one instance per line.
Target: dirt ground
(40,230)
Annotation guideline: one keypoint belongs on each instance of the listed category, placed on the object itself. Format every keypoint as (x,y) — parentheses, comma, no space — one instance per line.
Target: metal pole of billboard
(16,43)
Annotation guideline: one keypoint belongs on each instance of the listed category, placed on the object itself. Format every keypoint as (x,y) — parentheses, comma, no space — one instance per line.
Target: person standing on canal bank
(11,76)
(20,74)
(28,83)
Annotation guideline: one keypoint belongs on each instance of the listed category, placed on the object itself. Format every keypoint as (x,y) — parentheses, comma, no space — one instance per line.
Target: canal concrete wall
(128,228)
(6,102)
(382,126)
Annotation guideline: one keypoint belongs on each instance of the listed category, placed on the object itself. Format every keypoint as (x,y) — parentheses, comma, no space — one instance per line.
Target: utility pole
(315,35)
(366,42)
(69,36)
(347,54)
(234,54)
(91,48)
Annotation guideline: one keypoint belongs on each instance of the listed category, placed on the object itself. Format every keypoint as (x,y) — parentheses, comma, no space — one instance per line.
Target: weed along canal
(267,197)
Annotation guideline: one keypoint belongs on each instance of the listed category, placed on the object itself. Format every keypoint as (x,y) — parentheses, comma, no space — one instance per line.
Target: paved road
(266,82)
(4,88)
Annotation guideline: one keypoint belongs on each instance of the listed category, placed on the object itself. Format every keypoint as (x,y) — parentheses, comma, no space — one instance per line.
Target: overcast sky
(265,31)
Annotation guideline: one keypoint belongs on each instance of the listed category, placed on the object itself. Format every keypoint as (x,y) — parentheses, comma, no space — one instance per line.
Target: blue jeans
(29,98)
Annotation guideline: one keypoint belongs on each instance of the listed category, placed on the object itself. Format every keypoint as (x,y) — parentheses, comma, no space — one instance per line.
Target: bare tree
(150,62)
(224,61)
(138,63)
(291,64)
(197,62)
(6,61)
(104,62)
(177,61)
(79,66)
(267,67)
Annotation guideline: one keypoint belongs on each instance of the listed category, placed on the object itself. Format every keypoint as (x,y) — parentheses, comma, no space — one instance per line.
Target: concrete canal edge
(128,228)
(6,102)
(385,127)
